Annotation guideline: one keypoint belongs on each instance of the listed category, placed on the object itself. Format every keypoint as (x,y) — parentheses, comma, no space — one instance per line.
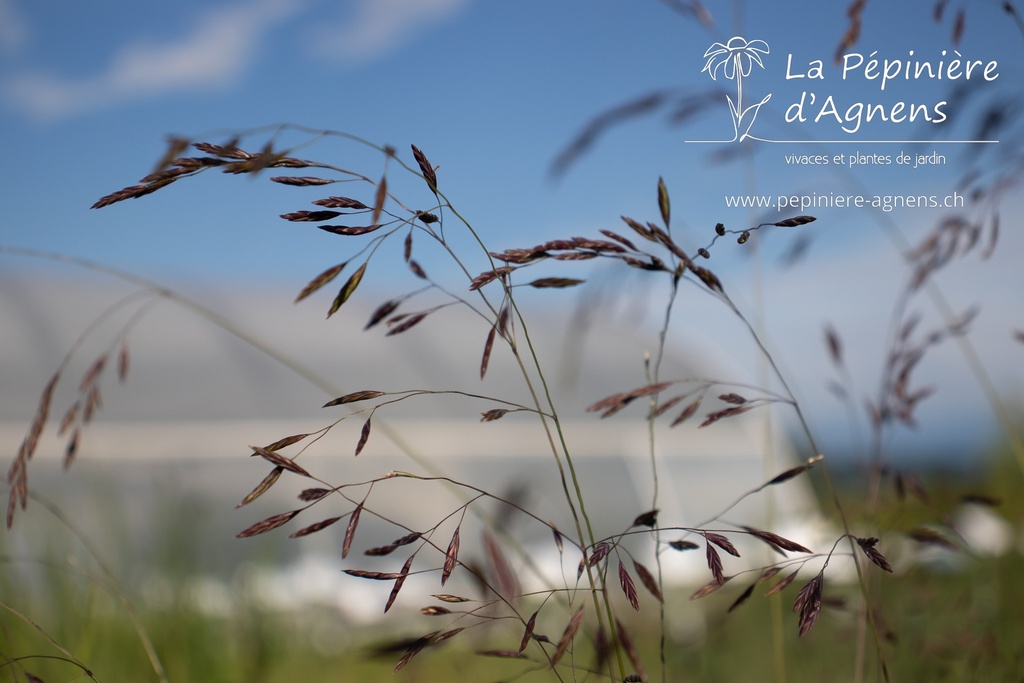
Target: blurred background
(545,120)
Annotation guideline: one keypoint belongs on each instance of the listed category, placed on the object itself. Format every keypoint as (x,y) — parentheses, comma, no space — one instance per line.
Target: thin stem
(83,538)
(68,657)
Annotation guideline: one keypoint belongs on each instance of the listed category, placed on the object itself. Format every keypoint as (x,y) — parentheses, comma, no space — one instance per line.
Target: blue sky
(492,92)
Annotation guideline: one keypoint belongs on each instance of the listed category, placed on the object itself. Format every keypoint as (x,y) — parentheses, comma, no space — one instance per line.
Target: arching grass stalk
(68,656)
(559,450)
(833,491)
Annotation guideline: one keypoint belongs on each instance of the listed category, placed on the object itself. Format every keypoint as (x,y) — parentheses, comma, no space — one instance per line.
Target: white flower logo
(736,59)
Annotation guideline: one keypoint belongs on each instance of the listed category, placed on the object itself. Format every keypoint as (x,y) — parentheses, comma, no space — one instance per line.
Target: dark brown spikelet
(320,280)
(714,563)
(744,596)
(728,412)
(132,192)
(226,151)
(648,519)
(313,528)
(355,396)
(309,495)
(302,181)
(808,603)
(631,652)
(931,537)
(683,545)
(347,289)
(71,450)
(777,542)
(648,580)
(835,347)
(709,279)
(176,146)
(434,611)
(373,576)
(349,230)
(488,346)
(619,238)
(276,459)
(263,486)
(687,413)
(122,363)
(722,542)
(868,546)
(285,442)
(506,654)
(398,583)
(413,649)
(381,550)
(958,26)
(567,635)
(668,405)
(555,282)
(599,552)
(795,221)
(407,323)
(69,418)
(489,276)
(639,229)
(557,536)
(504,315)
(350,530)
(789,474)
(708,588)
(574,256)
(493,414)
(451,557)
(364,435)
(425,168)
(528,633)
(92,403)
(267,524)
(628,587)
(504,578)
(383,311)
(602,648)
(854,12)
(735,399)
(407,248)
(782,584)
(341,203)
(617,402)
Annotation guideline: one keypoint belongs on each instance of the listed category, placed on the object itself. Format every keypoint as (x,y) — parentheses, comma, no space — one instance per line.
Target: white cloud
(380,26)
(14,31)
(221,45)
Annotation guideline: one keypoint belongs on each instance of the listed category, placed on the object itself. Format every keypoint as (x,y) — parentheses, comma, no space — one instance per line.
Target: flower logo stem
(735,59)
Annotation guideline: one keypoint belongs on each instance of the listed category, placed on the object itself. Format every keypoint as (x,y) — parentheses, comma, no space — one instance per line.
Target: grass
(952,625)
(617,618)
